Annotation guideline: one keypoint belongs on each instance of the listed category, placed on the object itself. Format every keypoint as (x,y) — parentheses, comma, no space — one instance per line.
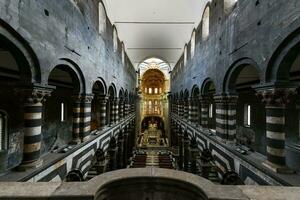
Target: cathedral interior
(150,100)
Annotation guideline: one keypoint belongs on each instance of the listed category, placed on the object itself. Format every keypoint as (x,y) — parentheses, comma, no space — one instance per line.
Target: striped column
(102,101)
(112,112)
(221,115)
(116,110)
(76,119)
(181,108)
(231,118)
(85,125)
(204,102)
(127,106)
(33,108)
(276,101)
(190,110)
(186,109)
(193,114)
(178,107)
(121,109)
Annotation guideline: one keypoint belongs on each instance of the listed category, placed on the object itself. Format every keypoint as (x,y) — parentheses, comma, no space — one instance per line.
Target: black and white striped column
(231,118)
(112,111)
(186,109)
(127,107)
(221,115)
(102,101)
(276,100)
(204,104)
(33,108)
(76,119)
(121,109)
(181,106)
(193,115)
(85,124)
(116,110)
(178,107)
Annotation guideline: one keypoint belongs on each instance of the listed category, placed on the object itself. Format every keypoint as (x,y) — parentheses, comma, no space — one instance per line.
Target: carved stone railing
(143,183)
(57,165)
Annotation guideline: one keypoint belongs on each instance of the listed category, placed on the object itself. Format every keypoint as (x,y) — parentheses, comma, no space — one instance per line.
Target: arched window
(102,18)
(3,130)
(115,40)
(123,54)
(228,5)
(193,43)
(185,55)
(205,24)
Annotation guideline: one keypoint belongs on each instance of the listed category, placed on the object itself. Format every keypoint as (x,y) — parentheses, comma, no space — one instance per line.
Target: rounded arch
(99,87)
(74,70)
(115,39)
(24,55)
(195,91)
(121,93)
(281,61)
(229,82)
(207,87)
(206,22)
(102,17)
(154,56)
(112,91)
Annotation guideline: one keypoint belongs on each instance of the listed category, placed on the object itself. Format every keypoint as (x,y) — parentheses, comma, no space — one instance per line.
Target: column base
(278,168)
(32,165)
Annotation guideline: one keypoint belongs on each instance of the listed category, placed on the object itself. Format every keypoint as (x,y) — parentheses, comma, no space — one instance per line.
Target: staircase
(152,159)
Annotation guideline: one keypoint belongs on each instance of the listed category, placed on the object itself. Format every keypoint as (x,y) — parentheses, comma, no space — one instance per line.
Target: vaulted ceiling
(155,28)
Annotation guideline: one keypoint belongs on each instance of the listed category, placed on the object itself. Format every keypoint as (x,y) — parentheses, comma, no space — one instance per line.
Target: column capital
(276,96)
(34,94)
(225,98)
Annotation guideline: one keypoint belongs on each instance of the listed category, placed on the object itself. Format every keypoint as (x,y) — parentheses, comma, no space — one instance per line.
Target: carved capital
(276,96)
(33,95)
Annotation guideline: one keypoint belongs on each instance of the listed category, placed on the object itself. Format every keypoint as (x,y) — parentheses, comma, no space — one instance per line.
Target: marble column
(102,101)
(76,119)
(276,101)
(33,99)
(116,110)
(204,101)
(85,126)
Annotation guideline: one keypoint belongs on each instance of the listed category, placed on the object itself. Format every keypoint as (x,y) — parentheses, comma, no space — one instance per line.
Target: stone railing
(227,158)
(144,183)
(57,165)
